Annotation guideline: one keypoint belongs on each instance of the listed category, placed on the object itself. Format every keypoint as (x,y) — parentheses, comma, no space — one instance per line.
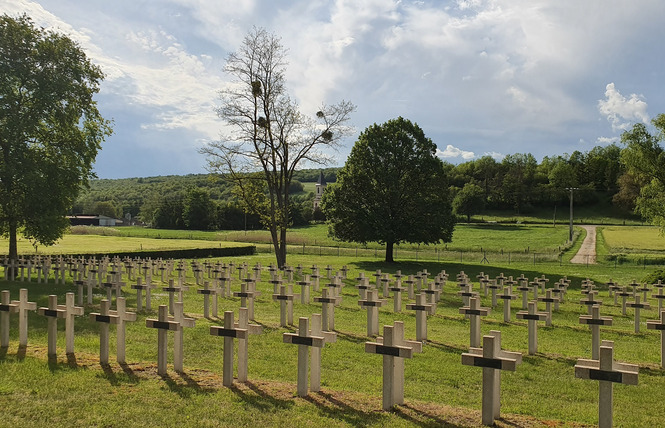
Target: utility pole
(570,233)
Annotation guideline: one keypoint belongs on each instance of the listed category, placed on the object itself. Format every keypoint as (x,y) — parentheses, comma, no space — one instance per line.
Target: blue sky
(481,77)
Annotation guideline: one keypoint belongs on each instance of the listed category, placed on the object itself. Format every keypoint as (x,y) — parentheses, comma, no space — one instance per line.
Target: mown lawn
(438,389)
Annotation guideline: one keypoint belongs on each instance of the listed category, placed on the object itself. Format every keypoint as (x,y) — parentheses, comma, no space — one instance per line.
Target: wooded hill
(518,184)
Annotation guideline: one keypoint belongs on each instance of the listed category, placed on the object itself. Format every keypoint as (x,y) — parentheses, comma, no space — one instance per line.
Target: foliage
(645,159)
(50,128)
(198,212)
(392,189)
(469,200)
(270,135)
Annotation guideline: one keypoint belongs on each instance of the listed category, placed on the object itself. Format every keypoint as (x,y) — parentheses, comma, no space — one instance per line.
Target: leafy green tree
(50,129)
(469,200)
(392,189)
(169,214)
(199,210)
(105,208)
(270,135)
(519,180)
(645,159)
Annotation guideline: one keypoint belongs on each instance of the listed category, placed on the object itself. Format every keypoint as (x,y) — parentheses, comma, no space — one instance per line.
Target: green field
(98,244)
(633,239)
(438,390)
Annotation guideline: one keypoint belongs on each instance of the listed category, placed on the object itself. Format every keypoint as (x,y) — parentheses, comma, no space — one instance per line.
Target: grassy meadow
(439,390)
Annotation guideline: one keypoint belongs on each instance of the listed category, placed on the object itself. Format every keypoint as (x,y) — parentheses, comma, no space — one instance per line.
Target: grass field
(439,391)
(468,237)
(97,244)
(633,239)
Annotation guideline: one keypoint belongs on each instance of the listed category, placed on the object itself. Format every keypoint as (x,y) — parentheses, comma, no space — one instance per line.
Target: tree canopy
(268,134)
(50,129)
(645,160)
(392,189)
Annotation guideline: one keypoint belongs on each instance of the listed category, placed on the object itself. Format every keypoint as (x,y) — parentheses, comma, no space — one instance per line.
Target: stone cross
(71,311)
(23,307)
(6,307)
(362,287)
(422,309)
(524,288)
(229,333)
(139,287)
(123,316)
(493,286)
(409,285)
(385,284)
(591,301)
(637,306)
(372,304)
(532,317)
(206,291)
(492,359)
(285,310)
(660,296)
(304,341)
(644,289)
(243,323)
(659,325)
(247,295)
(328,309)
(163,325)
(394,349)
(507,296)
(171,289)
(624,294)
(53,313)
(79,283)
(607,371)
(315,352)
(105,319)
(305,285)
(548,299)
(466,293)
(474,311)
(432,294)
(178,342)
(594,321)
(397,289)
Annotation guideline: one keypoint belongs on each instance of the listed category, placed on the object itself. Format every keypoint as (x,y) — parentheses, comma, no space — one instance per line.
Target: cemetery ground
(439,390)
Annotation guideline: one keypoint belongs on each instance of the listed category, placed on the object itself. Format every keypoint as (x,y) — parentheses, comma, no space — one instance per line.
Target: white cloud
(495,155)
(454,152)
(622,111)
(607,140)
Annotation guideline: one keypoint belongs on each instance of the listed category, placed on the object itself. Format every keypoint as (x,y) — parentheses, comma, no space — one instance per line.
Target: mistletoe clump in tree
(268,136)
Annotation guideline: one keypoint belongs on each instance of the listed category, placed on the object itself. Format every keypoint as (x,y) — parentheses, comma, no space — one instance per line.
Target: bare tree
(269,136)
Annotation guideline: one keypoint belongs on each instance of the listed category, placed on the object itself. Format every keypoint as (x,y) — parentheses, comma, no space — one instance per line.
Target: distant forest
(517,184)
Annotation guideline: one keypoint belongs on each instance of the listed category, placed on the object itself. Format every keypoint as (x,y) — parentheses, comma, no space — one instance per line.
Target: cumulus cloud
(495,155)
(452,152)
(620,111)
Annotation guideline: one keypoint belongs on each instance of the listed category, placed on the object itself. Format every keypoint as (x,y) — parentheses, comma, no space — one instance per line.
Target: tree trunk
(281,257)
(389,252)
(13,249)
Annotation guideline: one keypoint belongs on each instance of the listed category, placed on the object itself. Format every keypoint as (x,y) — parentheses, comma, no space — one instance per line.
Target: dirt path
(587,252)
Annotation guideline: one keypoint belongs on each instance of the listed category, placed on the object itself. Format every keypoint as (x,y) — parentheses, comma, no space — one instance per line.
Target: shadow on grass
(341,411)
(20,354)
(351,337)
(3,352)
(187,389)
(260,400)
(428,420)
